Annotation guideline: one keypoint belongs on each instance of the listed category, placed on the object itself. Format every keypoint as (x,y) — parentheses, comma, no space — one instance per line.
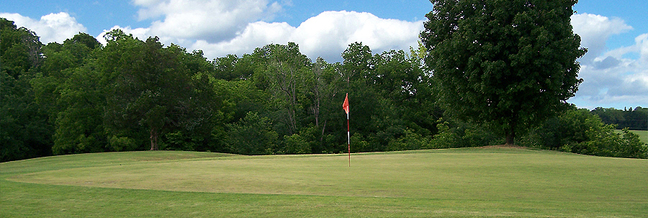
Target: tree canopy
(510,64)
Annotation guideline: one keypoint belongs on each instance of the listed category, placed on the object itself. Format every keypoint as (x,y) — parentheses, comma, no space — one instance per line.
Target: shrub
(296,144)
(410,141)
(122,143)
(252,135)
(582,132)
(463,134)
(180,142)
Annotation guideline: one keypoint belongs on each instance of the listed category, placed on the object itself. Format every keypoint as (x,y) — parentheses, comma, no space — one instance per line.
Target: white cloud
(329,33)
(595,30)
(209,20)
(326,35)
(221,27)
(255,35)
(140,33)
(642,46)
(55,27)
(610,77)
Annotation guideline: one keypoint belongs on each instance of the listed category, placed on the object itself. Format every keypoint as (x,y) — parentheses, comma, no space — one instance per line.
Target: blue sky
(615,71)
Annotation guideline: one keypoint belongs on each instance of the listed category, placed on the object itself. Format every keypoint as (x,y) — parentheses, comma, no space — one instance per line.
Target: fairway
(643,135)
(467,182)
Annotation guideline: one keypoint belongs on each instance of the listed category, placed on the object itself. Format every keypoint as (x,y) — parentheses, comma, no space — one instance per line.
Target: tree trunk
(510,134)
(510,138)
(154,140)
(322,135)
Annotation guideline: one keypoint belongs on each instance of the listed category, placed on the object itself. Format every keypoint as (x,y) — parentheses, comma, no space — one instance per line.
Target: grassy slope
(642,134)
(456,182)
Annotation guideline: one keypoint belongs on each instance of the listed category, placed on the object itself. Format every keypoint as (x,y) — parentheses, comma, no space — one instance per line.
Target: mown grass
(643,135)
(495,182)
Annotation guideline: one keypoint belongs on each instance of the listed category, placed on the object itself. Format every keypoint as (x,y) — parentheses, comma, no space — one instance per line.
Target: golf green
(466,182)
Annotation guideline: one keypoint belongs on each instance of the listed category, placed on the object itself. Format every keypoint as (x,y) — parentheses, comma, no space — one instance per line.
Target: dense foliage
(131,94)
(580,131)
(508,64)
(636,119)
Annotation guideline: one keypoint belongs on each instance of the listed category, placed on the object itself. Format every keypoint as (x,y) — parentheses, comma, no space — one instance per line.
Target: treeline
(636,119)
(131,94)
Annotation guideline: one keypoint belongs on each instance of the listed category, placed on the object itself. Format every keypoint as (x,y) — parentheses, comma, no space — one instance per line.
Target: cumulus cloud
(610,76)
(255,35)
(140,33)
(329,33)
(54,27)
(209,20)
(326,35)
(595,30)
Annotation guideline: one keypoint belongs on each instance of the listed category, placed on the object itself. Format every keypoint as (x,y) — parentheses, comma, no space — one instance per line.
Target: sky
(615,69)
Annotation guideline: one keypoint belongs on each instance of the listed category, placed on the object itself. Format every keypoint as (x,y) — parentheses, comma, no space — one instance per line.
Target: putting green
(507,181)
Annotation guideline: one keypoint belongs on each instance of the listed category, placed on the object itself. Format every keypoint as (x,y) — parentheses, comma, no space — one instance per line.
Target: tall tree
(150,88)
(358,61)
(284,68)
(511,64)
(323,86)
(24,130)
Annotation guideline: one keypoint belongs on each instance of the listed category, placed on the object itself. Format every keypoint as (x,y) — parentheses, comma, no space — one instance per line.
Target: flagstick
(345,106)
(349,139)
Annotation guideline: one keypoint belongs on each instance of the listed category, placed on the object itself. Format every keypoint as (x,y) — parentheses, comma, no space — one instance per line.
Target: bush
(252,135)
(410,141)
(582,132)
(122,143)
(446,138)
(358,143)
(180,142)
(462,135)
(296,144)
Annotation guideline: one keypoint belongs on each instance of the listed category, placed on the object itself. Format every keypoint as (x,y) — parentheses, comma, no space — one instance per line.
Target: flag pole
(349,139)
(345,106)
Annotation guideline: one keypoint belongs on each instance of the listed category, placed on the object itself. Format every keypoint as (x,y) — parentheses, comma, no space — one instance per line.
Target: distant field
(643,134)
(471,182)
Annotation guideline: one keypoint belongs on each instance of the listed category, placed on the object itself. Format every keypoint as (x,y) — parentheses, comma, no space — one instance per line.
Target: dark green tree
(511,64)
(284,68)
(24,128)
(152,89)
(79,124)
(358,61)
(252,135)
(20,49)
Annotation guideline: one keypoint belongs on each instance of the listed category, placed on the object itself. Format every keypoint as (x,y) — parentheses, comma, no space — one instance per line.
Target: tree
(323,86)
(20,49)
(151,88)
(24,130)
(284,68)
(358,61)
(511,64)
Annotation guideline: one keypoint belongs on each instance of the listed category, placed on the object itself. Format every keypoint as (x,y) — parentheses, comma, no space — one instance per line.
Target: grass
(471,182)
(643,135)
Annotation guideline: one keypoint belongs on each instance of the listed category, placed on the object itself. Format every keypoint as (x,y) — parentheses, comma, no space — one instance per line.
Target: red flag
(345,105)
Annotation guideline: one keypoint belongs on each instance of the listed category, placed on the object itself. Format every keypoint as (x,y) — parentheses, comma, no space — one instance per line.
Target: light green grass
(474,182)
(643,135)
